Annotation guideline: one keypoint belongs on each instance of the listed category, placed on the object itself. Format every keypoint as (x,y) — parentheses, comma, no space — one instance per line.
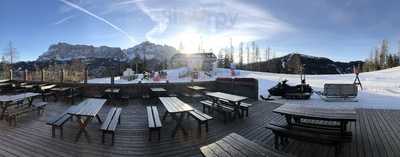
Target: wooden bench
(154,121)
(40,107)
(22,109)
(244,107)
(339,91)
(226,110)
(73,93)
(58,122)
(110,124)
(201,118)
(308,134)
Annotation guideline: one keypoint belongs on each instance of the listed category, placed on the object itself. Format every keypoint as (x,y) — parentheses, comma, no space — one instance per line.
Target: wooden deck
(376,134)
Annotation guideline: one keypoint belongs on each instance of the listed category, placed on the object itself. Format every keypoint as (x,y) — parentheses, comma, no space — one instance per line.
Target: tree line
(248,56)
(381,58)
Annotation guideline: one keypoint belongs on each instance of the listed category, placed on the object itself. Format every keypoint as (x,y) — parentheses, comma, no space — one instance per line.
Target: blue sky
(339,29)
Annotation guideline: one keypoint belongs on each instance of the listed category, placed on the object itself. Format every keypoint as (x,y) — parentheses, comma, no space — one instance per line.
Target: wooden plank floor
(376,134)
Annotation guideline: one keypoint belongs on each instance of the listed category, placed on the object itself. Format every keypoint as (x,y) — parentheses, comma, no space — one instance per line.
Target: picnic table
(28,86)
(85,112)
(158,91)
(234,100)
(297,112)
(196,90)
(235,145)
(175,106)
(111,93)
(6,100)
(60,91)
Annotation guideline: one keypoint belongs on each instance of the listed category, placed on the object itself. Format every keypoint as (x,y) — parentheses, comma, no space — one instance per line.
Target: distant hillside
(290,64)
(65,51)
(150,51)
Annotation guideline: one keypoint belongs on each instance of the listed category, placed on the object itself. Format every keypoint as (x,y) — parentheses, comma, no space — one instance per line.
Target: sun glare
(189,41)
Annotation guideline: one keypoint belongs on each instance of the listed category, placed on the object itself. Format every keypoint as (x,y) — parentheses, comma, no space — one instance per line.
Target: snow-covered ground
(381,89)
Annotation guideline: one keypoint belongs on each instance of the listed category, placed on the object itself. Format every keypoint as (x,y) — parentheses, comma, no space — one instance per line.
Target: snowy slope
(381,88)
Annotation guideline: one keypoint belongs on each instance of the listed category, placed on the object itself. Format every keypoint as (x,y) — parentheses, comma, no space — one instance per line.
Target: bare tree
(241,54)
(10,53)
(248,53)
(267,54)
(384,53)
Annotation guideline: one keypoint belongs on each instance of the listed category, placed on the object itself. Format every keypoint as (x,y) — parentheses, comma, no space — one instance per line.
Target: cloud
(63,20)
(213,19)
(99,18)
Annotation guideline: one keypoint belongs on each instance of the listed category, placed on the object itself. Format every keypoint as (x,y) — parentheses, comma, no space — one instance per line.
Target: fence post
(11,74)
(86,75)
(62,75)
(112,76)
(25,75)
(41,75)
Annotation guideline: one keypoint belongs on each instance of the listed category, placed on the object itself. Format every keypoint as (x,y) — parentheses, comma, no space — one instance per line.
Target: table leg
(56,94)
(165,116)
(98,119)
(237,108)
(30,101)
(3,111)
(178,125)
(289,120)
(343,127)
(82,128)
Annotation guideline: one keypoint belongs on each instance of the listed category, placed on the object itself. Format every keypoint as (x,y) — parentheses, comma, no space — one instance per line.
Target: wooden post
(11,74)
(86,75)
(112,76)
(41,75)
(62,75)
(25,75)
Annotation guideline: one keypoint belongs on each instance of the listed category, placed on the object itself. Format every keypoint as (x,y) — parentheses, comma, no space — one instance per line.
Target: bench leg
(61,132)
(112,138)
(53,131)
(337,150)
(159,134)
(276,142)
(199,128)
(102,137)
(150,134)
(225,116)
(206,126)
(165,116)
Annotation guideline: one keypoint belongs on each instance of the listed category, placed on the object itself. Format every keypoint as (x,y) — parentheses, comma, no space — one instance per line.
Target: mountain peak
(65,51)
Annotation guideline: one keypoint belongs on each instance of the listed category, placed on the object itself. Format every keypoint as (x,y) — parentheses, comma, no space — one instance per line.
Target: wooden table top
(175,105)
(196,87)
(46,87)
(235,145)
(112,90)
(60,89)
(7,98)
(226,96)
(5,84)
(313,112)
(28,86)
(88,107)
(158,89)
